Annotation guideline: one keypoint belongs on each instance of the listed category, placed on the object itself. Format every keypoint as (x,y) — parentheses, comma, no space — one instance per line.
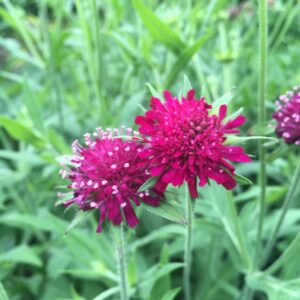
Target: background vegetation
(70,66)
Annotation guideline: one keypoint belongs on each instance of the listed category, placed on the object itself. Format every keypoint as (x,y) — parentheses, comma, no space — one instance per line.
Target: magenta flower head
(106,176)
(185,142)
(287,116)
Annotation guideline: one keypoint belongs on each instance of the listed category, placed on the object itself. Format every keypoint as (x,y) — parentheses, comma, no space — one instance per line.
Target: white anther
(113,166)
(126,165)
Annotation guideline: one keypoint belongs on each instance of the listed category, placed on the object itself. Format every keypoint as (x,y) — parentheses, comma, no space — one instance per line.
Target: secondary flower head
(185,142)
(287,116)
(106,176)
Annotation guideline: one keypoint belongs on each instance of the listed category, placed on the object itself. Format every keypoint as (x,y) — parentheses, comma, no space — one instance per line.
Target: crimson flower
(106,176)
(185,142)
(287,116)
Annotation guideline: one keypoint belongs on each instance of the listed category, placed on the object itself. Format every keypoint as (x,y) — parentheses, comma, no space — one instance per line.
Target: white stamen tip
(126,165)
(90,182)
(113,166)
(104,182)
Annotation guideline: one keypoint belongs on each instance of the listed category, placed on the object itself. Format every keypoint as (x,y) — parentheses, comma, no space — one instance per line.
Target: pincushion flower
(287,116)
(106,176)
(186,142)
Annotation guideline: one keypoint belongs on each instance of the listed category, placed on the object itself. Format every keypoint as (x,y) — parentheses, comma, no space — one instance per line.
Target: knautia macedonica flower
(185,142)
(107,174)
(287,116)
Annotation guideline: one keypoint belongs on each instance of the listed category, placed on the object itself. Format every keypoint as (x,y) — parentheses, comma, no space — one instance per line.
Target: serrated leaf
(79,217)
(158,29)
(183,59)
(148,184)
(167,211)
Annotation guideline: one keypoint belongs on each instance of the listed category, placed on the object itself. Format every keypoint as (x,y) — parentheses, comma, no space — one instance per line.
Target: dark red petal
(222,112)
(193,188)
(191,94)
(238,121)
(130,215)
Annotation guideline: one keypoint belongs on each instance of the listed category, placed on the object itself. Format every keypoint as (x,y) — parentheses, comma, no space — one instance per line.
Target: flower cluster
(287,116)
(185,142)
(179,140)
(107,174)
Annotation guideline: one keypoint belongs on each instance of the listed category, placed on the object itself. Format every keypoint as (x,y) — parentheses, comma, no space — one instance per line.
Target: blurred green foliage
(68,66)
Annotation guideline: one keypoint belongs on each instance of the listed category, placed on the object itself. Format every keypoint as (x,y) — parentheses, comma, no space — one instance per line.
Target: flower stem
(118,238)
(263,36)
(287,203)
(187,248)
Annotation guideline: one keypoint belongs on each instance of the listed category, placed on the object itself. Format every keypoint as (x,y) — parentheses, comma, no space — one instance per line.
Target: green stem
(120,256)
(262,87)
(287,203)
(187,248)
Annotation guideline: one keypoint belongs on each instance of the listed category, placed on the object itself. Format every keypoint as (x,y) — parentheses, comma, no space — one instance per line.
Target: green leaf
(225,209)
(171,294)
(3,294)
(22,254)
(150,277)
(242,179)
(79,217)
(233,140)
(107,294)
(183,59)
(276,289)
(291,253)
(154,93)
(148,184)
(167,211)
(186,85)
(158,29)
(20,132)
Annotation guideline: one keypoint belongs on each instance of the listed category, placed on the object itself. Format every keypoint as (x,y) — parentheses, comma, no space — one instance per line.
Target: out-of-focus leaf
(158,29)
(167,211)
(108,293)
(275,289)
(79,217)
(226,211)
(148,279)
(20,132)
(148,184)
(154,92)
(242,179)
(3,294)
(171,294)
(21,254)
(183,59)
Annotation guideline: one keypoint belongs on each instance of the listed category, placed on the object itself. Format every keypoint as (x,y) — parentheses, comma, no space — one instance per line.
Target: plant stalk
(286,205)
(262,87)
(187,248)
(121,261)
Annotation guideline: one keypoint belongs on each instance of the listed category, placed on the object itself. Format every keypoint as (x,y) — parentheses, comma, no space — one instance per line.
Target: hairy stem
(120,257)
(187,248)
(262,86)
